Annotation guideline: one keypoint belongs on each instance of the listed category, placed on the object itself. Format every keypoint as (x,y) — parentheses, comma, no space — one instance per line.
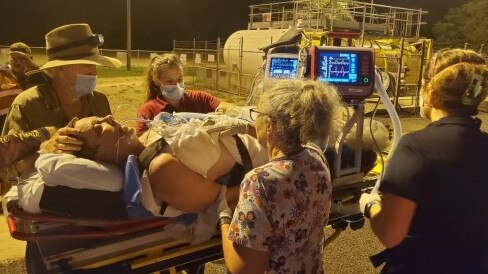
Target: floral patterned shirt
(283,209)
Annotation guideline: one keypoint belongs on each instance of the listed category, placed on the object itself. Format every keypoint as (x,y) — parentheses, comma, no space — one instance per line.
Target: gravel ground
(12,266)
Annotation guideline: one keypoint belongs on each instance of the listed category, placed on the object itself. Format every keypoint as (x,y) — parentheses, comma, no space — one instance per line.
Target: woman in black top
(433,214)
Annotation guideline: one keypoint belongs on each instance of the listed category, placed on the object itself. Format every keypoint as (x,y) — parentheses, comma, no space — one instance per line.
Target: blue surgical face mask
(173,92)
(85,84)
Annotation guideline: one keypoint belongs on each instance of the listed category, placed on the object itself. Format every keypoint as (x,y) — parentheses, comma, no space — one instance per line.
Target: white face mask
(85,84)
(173,92)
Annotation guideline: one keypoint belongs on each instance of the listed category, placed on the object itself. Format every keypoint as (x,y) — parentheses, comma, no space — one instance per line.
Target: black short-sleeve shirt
(443,168)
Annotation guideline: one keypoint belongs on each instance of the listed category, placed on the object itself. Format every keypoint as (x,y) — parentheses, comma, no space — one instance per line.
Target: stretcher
(63,244)
(144,245)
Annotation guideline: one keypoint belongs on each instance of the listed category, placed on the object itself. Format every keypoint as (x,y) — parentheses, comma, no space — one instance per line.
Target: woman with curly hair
(278,224)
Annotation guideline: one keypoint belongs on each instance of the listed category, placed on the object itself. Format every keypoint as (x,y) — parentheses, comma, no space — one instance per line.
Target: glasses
(254,114)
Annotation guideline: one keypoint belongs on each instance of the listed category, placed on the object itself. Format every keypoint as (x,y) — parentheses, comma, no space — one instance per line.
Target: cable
(258,76)
(397,129)
(374,139)
(124,105)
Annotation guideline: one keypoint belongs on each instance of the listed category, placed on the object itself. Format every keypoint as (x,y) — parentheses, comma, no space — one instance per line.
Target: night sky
(155,23)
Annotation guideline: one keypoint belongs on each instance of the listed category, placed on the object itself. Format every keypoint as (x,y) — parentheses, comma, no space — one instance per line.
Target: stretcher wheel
(342,225)
(357,224)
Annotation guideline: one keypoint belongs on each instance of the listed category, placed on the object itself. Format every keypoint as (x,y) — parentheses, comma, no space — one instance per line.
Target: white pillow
(74,172)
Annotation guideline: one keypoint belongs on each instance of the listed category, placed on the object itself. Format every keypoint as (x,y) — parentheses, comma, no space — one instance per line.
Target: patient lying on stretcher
(182,178)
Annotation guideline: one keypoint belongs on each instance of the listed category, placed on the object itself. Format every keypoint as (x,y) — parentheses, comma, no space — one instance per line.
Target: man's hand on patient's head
(65,140)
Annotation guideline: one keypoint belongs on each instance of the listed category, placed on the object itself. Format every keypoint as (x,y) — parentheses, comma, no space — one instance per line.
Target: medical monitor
(283,67)
(351,70)
(338,67)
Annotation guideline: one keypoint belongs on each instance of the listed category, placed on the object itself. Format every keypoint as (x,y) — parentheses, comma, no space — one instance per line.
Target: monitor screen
(337,67)
(283,67)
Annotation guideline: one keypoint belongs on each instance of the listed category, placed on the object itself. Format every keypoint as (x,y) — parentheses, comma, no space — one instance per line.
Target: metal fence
(205,67)
(139,58)
(337,14)
(203,64)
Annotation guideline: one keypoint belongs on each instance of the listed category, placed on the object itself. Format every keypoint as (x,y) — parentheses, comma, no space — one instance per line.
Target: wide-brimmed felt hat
(75,44)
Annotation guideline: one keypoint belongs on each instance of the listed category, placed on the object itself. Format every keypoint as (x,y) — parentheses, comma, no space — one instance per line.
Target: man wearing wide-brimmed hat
(73,55)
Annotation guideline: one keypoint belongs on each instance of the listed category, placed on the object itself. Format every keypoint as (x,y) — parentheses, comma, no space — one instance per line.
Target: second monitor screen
(283,68)
(337,67)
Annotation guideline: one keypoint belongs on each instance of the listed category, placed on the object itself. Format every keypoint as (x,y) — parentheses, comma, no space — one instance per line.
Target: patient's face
(108,138)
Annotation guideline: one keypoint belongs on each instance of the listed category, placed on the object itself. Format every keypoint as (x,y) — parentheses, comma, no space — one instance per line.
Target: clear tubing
(397,127)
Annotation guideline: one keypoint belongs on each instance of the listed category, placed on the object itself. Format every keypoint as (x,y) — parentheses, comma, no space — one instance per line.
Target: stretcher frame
(141,245)
(144,251)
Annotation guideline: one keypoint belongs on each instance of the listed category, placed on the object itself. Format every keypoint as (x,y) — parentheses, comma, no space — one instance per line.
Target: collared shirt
(37,107)
(442,168)
(192,101)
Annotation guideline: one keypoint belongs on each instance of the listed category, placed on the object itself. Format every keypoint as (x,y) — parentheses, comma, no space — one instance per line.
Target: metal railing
(140,58)
(203,64)
(205,67)
(336,15)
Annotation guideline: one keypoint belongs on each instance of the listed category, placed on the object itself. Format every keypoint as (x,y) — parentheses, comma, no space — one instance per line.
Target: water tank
(252,40)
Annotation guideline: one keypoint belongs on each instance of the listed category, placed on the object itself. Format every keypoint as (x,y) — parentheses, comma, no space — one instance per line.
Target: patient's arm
(173,182)
(176,184)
